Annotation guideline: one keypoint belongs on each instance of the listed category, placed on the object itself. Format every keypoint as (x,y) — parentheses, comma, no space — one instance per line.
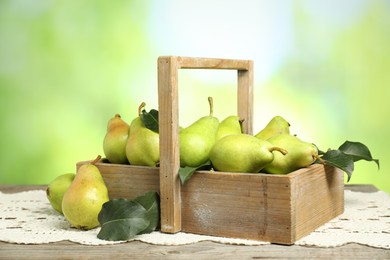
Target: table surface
(201,250)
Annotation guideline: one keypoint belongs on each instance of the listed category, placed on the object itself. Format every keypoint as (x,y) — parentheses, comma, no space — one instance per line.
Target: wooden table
(201,250)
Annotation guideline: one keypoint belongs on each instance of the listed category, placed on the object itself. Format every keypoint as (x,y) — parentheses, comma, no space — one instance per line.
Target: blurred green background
(66,67)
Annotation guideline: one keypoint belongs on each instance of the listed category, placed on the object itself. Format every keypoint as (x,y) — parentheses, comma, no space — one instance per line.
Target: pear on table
(197,139)
(56,189)
(300,154)
(142,146)
(230,125)
(242,153)
(277,125)
(115,140)
(83,200)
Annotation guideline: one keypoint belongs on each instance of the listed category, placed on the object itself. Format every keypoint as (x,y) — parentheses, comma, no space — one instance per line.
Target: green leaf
(357,151)
(151,202)
(150,119)
(122,219)
(185,173)
(340,160)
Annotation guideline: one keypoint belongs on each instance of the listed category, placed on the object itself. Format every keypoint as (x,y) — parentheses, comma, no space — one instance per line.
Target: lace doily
(27,218)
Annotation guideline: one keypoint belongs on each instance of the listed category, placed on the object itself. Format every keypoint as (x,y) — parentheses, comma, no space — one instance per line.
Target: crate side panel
(249,206)
(127,181)
(318,196)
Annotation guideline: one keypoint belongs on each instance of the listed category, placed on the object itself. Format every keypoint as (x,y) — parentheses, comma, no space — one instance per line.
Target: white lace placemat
(27,218)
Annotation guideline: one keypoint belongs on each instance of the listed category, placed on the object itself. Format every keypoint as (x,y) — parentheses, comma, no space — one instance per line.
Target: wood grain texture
(276,208)
(125,181)
(208,63)
(202,250)
(317,196)
(245,81)
(169,144)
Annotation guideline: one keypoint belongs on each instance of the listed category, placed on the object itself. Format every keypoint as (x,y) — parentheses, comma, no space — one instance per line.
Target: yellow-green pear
(230,125)
(300,154)
(242,153)
(277,125)
(56,189)
(115,140)
(83,200)
(197,139)
(142,146)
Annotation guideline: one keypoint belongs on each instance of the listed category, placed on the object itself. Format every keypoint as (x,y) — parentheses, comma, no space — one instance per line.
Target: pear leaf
(150,119)
(339,160)
(345,157)
(185,173)
(357,151)
(151,202)
(123,219)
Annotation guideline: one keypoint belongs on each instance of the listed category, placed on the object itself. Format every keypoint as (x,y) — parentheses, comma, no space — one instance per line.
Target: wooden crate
(275,208)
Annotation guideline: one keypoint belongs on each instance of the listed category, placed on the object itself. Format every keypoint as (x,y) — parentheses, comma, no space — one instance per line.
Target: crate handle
(168,66)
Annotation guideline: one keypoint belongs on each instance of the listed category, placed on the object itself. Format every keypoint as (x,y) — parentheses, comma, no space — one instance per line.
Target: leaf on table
(123,219)
(357,151)
(150,119)
(185,173)
(151,202)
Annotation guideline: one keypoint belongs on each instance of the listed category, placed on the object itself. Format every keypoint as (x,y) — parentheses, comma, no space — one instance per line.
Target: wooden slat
(125,181)
(245,97)
(209,63)
(249,206)
(275,208)
(169,145)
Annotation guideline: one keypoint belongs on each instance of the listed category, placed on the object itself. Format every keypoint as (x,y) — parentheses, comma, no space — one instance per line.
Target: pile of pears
(133,144)
(79,197)
(272,150)
(223,144)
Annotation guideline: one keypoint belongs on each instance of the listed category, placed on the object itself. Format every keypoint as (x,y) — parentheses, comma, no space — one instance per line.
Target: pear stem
(318,157)
(97,159)
(143,104)
(211,106)
(117,116)
(281,150)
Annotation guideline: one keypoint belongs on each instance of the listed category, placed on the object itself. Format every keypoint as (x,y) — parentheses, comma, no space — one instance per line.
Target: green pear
(277,125)
(230,125)
(115,140)
(300,154)
(242,153)
(197,139)
(142,146)
(83,200)
(56,189)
